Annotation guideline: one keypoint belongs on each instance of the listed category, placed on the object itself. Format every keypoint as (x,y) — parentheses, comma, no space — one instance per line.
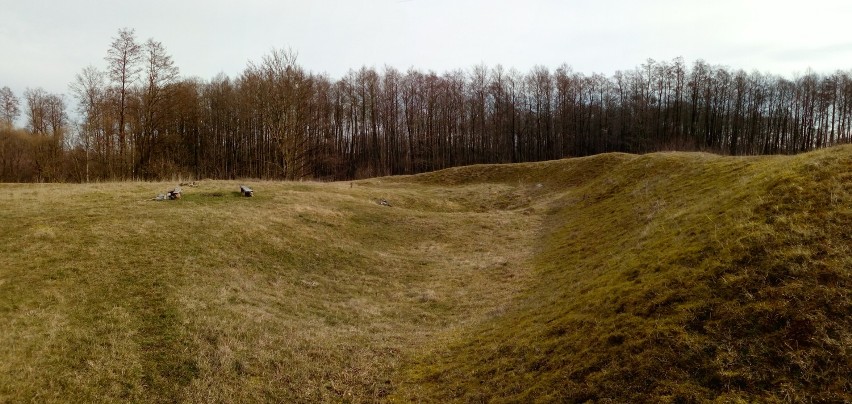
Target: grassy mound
(665,277)
(670,277)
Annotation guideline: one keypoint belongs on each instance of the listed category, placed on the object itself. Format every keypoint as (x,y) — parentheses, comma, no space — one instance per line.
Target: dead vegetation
(665,277)
(673,277)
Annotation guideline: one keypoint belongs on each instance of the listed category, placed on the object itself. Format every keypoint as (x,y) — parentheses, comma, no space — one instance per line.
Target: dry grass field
(663,277)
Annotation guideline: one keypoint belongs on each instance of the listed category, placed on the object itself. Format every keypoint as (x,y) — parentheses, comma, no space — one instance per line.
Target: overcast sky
(45,43)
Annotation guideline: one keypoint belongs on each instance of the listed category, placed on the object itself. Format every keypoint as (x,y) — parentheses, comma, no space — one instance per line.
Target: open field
(659,277)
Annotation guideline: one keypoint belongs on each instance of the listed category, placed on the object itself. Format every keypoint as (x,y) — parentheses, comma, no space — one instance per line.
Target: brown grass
(674,277)
(664,277)
(306,292)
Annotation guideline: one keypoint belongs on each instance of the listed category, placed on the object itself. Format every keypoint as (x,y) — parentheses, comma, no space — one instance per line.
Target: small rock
(175,193)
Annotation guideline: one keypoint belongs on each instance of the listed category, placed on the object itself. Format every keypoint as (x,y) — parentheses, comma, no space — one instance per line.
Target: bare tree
(37,110)
(89,88)
(46,120)
(9,107)
(123,58)
(56,117)
(278,121)
(160,72)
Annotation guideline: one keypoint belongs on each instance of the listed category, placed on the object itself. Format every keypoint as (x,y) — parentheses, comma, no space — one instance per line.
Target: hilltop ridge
(670,277)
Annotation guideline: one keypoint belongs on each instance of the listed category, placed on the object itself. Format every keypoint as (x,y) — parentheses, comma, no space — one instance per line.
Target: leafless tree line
(140,120)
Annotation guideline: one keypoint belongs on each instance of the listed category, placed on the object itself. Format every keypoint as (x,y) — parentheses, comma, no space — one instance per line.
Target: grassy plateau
(668,277)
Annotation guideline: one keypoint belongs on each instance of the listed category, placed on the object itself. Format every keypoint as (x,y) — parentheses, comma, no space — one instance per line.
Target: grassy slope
(615,276)
(306,292)
(672,277)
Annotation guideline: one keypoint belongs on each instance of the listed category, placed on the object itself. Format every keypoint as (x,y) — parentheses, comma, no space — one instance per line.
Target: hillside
(663,277)
(670,277)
